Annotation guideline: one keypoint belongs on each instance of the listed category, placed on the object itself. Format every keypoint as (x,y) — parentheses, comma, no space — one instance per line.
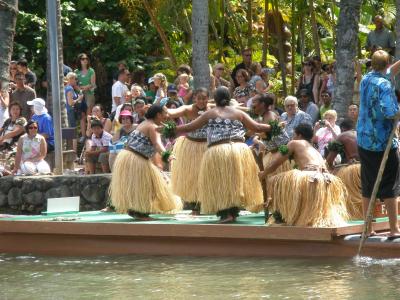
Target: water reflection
(134,277)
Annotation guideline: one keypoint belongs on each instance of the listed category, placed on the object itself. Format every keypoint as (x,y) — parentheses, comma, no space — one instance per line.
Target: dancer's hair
(201,90)
(153,111)
(305,130)
(267,99)
(347,124)
(222,96)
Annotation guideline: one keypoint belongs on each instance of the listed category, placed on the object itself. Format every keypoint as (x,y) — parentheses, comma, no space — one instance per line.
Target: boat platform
(99,233)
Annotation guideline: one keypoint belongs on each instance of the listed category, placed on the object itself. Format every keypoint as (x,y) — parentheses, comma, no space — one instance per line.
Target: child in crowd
(183,86)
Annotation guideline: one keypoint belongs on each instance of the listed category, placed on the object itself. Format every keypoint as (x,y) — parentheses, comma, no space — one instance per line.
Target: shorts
(90,99)
(370,163)
(101,158)
(71,118)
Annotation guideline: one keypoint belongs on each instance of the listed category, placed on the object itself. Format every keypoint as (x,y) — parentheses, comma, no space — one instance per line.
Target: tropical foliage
(155,35)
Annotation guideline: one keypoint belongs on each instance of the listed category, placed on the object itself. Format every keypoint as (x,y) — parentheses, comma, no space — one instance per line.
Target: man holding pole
(378,109)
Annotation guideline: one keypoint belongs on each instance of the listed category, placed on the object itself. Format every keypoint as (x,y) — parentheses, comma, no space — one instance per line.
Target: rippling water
(137,277)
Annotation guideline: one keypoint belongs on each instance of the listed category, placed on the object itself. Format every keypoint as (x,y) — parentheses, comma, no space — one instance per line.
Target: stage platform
(99,233)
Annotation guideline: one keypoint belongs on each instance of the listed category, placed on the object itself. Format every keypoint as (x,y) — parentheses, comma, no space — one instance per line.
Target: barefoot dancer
(189,152)
(309,196)
(228,173)
(137,185)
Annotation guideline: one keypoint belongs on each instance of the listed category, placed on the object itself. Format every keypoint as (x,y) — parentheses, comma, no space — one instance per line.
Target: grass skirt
(309,198)
(229,178)
(138,185)
(351,177)
(186,167)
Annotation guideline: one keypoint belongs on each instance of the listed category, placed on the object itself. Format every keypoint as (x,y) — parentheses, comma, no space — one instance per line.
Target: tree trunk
(293,43)
(8,19)
(265,39)
(249,22)
(161,33)
(314,28)
(201,69)
(346,51)
(49,102)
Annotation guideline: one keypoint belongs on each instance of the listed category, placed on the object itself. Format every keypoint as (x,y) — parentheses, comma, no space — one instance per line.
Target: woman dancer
(137,186)
(189,152)
(228,173)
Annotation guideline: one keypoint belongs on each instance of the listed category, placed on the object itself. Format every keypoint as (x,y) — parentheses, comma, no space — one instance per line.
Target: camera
(322,123)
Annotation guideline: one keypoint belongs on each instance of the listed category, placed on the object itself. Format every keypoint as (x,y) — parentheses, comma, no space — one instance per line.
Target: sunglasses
(32,127)
(308,64)
(220,69)
(13,69)
(84,58)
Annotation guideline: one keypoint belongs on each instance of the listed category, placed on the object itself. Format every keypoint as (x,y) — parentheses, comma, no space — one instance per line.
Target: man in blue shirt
(378,108)
(44,120)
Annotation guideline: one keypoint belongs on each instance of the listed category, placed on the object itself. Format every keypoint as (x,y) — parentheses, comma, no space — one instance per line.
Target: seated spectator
(99,151)
(326,100)
(12,128)
(256,70)
(172,94)
(293,116)
(307,106)
(137,92)
(31,152)
(139,110)
(242,92)
(44,121)
(352,113)
(13,73)
(115,124)
(265,76)
(325,131)
(22,94)
(30,77)
(219,70)
(120,137)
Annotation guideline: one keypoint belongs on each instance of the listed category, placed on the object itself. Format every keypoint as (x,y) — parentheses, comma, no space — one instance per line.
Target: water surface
(138,277)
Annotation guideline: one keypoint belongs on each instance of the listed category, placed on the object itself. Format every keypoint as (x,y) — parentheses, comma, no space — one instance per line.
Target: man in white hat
(44,120)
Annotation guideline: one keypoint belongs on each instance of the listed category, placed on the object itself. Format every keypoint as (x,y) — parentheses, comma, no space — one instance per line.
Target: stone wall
(29,194)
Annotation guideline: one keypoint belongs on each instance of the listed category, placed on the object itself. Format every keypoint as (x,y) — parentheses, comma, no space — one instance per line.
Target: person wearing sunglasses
(245,64)
(31,152)
(219,70)
(309,80)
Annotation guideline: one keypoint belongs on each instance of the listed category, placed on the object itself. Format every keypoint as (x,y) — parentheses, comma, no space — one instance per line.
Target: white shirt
(119,89)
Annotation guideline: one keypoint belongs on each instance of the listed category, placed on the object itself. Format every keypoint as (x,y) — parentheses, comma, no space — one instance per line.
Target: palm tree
(64,117)
(8,19)
(346,52)
(201,68)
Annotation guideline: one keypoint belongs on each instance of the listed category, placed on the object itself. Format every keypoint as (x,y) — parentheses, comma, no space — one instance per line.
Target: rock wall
(29,194)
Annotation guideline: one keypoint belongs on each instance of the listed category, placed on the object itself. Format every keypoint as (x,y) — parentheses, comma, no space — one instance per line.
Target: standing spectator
(99,151)
(329,79)
(13,73)
(242,92)
(121,65)
(151,91)
(219,70)
(307,106)
(245,64)
(326,131)
(119,89)
(44,122)
(22,95)
(4,102)
(30,77)
(293,116)
(12,128)
(378,108)
(86,80)
(160,82)
(72,99)
(309,80)
(31,152)
(380,38)
(326,101)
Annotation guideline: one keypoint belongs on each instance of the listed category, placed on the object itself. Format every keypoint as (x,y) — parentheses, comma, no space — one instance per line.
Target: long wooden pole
(371,206)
